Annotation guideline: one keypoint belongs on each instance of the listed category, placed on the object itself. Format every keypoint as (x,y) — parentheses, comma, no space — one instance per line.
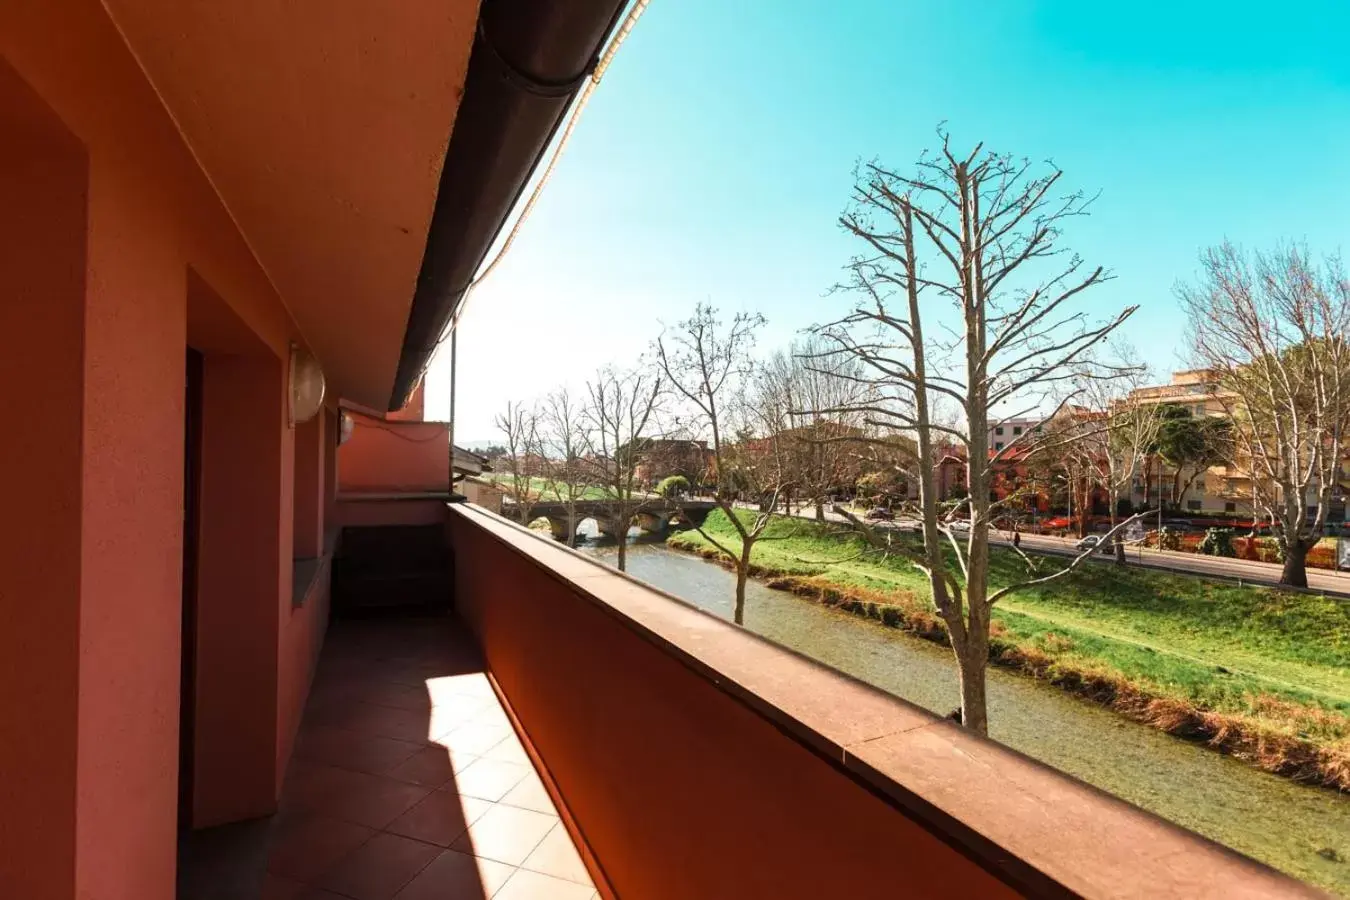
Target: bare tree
(1274,332)
(708,364)
(563,438)
(1105,438)
(619,411)
(976,234)
(823,440)
(520,424)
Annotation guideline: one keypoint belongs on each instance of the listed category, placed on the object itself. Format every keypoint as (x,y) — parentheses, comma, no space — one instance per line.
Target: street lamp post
(1160,504)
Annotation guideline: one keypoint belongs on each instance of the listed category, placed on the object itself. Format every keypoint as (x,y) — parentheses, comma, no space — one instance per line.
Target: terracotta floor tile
(379,868)
(440,818)
(398,696)
(371,800)
(445,719)
(505,834)
(490,779)
(475,739)
(352,749)
(492,714)
(460,707)
(509,749)
(457,876)
(527,885)
(472,685)
(309,783)
(385,721)
(530,793)
(306,846)
(557,856)
(431,766)
(276,887)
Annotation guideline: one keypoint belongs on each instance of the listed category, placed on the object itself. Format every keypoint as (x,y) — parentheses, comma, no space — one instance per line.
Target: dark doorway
(192,464)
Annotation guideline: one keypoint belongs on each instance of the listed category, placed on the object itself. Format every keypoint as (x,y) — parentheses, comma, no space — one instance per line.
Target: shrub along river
(1304,831)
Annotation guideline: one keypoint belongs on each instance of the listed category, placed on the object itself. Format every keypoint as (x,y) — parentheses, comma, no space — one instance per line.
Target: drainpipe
(530,59)
(450,429)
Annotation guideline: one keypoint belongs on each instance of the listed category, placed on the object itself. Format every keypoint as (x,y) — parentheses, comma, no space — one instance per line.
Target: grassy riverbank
(1260,673)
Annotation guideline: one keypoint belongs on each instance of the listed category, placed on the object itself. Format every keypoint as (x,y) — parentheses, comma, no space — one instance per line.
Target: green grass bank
(1259,673)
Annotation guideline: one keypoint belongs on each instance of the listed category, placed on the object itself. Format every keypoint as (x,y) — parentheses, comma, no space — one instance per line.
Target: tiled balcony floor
(408,781)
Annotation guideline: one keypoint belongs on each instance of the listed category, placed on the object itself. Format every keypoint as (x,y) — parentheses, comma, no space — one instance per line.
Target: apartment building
(1005,432)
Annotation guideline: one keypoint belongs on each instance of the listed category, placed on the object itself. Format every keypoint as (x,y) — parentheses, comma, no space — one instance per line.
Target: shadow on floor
(408,782)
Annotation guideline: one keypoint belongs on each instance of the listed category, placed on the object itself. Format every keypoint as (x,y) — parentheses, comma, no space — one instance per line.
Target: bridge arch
(653,522)
(656,516)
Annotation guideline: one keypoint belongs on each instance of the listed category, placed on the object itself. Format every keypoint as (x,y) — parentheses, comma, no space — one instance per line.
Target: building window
(1017,429)
(1193,505)
(999,431)
(999,444)
(1037,429)
(1230,507)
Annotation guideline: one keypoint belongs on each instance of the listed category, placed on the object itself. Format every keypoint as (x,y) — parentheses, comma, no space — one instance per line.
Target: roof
(530,59)
(469,463)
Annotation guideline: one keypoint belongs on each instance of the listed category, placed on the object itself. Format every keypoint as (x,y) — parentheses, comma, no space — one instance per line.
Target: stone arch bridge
(654,516)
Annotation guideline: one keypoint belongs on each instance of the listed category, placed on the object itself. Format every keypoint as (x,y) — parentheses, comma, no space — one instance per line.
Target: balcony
(654,751)
(408,779)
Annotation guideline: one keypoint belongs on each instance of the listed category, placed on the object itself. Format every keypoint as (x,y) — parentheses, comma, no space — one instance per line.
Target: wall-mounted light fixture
(346,425)
(307,386)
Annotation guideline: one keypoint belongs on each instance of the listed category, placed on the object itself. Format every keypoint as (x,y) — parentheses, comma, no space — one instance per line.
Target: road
(1320,580)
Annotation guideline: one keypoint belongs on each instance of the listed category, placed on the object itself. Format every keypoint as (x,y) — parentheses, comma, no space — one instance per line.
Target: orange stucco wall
(309,482)
(414,410)
(301,639)
(115,256)
(43,178)
(657,765)
(394,456)
(239,587)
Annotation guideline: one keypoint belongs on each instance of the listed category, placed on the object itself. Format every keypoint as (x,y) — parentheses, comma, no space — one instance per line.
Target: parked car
(880,513)
(959,525)
(1088,543)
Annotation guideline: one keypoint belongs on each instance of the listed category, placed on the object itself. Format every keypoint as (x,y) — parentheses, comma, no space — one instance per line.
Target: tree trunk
(742,575)
(820,511)
(1083,515)
(1120,549)
(739,615)
(623,551)
(972,664)
(1295,572)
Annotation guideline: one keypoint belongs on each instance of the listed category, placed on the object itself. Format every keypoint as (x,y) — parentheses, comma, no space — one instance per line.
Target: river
(1269,818)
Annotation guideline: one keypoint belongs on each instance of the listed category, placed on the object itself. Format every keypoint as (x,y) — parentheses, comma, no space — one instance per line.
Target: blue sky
(715,157)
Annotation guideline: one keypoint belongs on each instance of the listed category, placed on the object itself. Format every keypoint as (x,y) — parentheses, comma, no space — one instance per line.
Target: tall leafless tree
(1105,437)
(1274,332)
(964,295)
(708,364)
(823,440)
(562,428)
(620,409)
(520,426)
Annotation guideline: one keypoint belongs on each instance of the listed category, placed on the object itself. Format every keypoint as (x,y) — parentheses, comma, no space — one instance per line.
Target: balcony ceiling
(323,127)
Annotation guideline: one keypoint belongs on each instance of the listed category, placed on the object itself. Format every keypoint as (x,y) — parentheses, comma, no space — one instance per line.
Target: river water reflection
(1269,818)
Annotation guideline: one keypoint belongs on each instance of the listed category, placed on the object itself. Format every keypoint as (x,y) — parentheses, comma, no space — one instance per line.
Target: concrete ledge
(701,760)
